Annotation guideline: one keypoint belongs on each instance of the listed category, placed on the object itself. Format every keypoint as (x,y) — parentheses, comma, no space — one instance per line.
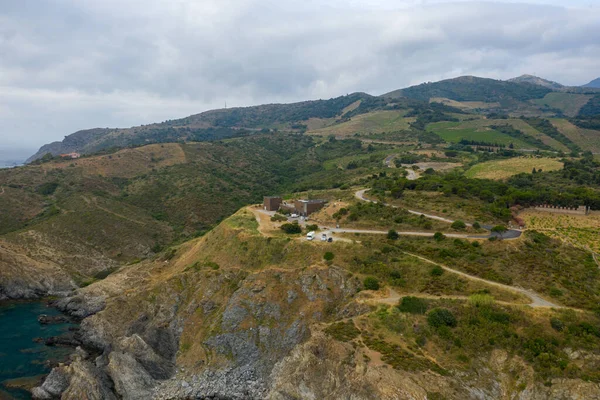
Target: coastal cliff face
(22,277)
(251,318)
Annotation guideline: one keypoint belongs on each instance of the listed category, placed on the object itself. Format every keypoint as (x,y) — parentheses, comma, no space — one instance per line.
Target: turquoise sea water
(20,356)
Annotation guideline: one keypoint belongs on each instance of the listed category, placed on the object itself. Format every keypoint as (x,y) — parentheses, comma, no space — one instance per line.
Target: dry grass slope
(374,122)
(579,231)
(568,103)
(503,169)
(587,139)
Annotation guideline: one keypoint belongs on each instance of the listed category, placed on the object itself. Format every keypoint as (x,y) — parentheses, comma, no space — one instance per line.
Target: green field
(568,103)
(480,130)
(454,132)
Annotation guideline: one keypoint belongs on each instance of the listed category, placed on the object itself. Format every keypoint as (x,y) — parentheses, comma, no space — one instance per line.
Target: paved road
(510,234)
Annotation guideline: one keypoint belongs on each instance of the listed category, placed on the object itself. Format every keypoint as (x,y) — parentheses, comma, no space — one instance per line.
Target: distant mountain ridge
(535,80)
(211,125)
(593,84)
(514,96)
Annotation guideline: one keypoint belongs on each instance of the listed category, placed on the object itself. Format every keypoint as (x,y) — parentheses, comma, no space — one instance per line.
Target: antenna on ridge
(225,104)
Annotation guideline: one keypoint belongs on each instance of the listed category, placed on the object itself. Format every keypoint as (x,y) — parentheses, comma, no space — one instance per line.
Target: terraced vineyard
(585,138)
(454,132)
(502,169)
(374,122)
(579,231)
(568,103)
(479,130)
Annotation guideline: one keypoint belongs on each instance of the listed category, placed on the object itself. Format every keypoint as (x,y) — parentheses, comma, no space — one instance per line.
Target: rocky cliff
(237,315)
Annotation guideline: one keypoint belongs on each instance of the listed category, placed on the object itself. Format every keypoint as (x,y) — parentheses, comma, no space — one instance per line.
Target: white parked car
(294,215)
(324,237)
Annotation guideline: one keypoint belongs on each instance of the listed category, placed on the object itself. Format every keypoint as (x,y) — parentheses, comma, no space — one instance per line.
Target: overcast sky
(67,65)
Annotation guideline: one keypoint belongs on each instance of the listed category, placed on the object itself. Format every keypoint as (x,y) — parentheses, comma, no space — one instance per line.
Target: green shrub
(328,256)
(557,324)
(476,225)
(313,227)
(343,331)
(437,271)
(278,218)
(392,234)
(439,317)
(413,305)
(371,283)
(499,229)
(439,236)
(47,188)
(291,229)
(458,225)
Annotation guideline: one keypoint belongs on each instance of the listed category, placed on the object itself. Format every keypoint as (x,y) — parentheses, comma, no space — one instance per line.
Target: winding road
(536,300)
(510,234)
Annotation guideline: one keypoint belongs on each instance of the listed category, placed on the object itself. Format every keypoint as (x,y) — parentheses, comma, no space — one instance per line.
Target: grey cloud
(73,64)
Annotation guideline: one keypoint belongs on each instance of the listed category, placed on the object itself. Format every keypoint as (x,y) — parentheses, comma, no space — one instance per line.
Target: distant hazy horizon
(9,157)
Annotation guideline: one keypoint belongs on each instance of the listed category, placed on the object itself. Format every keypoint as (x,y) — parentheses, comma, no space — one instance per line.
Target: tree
(413,305)
(441,317)
(499,230)
(458,225)
(392,235)
(439,236)
(371,283)
(437,271)
(313,227)
(291,229)
(328,256)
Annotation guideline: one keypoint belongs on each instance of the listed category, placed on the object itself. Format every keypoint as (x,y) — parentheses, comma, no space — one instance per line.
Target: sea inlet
(24,358)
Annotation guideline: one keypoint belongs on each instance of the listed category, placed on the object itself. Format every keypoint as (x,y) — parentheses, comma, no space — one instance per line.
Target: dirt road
(510,234)
(536,300)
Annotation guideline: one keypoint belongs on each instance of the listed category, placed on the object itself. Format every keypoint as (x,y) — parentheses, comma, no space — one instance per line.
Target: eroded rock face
(259,335)
(22,277)
(257,325)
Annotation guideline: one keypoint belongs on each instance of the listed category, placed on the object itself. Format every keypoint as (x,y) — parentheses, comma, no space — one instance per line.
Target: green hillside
(470,88)
(567,103)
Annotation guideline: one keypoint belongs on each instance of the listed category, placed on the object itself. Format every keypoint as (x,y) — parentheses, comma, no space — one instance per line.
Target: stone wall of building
(581,210)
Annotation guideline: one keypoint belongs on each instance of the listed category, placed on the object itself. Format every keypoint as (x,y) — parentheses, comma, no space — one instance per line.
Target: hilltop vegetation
(97,213)
(402,115)
(471,88)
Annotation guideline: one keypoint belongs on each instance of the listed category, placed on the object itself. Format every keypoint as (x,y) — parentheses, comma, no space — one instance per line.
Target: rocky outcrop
(255,330)
(80,141)
(171,329)
(22,277)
